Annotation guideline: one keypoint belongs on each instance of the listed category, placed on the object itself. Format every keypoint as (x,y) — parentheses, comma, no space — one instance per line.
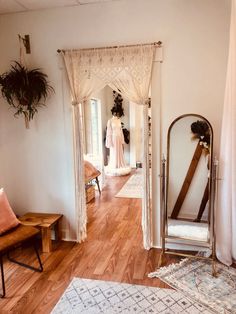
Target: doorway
(117,189)
(127,69)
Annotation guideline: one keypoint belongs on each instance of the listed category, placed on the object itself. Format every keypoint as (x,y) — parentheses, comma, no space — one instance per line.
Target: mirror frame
(164,210)
(210,169)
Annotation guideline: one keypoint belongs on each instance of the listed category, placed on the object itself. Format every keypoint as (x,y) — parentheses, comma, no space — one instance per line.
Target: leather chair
(13,239)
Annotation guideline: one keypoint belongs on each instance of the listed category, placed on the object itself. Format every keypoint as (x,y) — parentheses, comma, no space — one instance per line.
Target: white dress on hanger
(115,142)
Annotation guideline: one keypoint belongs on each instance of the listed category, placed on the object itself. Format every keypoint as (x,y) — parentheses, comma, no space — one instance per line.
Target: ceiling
(13,6)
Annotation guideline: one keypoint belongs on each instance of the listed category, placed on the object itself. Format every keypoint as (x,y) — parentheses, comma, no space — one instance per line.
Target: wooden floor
(113,251)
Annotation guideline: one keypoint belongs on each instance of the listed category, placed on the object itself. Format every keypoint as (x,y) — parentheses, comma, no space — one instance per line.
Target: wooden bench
(11,240)
(91,173)
(45,222)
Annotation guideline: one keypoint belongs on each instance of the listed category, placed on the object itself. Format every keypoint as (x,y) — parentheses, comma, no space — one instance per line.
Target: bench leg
(97,181)
(40,269)
(39,259)
(57,229)
(3,281)
(46,240)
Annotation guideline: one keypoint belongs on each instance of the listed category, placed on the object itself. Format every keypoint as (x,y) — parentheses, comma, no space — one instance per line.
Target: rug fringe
(165,269)
(167,275)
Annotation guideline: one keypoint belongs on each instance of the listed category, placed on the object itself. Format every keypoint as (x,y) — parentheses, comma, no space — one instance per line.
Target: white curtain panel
(226,206)
(81,215)
(127,70)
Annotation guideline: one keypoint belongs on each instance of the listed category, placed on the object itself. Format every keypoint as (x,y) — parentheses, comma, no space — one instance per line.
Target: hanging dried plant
(117,109)
(201,131)
(25,90)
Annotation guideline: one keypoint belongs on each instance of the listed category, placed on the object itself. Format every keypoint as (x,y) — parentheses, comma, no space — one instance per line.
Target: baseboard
(69,240)
(156,247)
(181,247)
(64,236)
(192,217)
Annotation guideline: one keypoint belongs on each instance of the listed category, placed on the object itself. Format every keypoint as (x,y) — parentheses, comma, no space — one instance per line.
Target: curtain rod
(159,43)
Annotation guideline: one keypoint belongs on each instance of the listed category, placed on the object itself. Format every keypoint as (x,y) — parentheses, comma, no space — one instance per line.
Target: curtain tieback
(75,102)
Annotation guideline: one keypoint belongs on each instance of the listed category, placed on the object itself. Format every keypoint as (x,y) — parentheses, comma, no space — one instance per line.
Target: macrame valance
(125,69)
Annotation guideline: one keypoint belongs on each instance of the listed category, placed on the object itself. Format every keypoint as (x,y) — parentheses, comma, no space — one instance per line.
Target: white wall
(36,165)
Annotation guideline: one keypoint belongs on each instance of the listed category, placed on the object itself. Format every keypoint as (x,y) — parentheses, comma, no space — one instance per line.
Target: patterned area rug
(193,278)
(96,296)
(133,187)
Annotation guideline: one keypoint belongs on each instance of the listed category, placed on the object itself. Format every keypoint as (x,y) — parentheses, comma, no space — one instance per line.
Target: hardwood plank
(118,262)
(140,264)
(27,278)
(113,251)
(34,296)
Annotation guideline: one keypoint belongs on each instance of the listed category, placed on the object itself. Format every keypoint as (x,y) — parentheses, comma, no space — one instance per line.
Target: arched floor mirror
(188,189)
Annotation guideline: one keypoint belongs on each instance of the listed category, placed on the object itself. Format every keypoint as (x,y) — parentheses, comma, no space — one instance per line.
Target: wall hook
(26,42)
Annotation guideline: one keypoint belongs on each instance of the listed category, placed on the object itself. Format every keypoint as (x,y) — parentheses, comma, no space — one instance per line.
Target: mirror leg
(161,259)
(214,271)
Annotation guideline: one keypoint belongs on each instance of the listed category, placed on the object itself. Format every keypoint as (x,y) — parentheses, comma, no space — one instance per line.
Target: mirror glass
(188,174)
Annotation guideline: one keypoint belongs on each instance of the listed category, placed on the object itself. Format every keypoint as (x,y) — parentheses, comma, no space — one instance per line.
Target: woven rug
(193,278)
(96,296)
(133,187)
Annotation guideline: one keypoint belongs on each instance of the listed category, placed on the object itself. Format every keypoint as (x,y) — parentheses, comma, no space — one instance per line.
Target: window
(94,127)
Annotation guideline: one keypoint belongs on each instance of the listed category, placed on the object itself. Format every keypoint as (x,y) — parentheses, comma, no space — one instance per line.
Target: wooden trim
(187,181)
(204,201)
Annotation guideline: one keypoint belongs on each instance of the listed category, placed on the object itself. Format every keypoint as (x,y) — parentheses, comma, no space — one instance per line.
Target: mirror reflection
(188,173)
